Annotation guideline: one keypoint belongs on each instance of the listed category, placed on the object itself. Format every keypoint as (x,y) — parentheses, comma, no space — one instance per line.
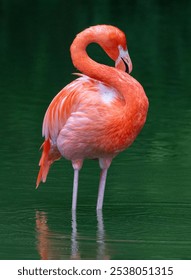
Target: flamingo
(99,114)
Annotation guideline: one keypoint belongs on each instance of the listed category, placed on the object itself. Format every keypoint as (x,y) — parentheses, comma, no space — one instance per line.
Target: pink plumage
(97,115)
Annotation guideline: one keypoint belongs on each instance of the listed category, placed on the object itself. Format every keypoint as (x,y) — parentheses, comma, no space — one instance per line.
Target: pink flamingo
(99,114)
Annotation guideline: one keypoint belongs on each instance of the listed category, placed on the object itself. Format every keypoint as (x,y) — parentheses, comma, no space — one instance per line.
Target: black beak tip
(126,66)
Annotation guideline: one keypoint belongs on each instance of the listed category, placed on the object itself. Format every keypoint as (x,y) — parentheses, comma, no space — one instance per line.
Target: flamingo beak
(128,64)
(123,61)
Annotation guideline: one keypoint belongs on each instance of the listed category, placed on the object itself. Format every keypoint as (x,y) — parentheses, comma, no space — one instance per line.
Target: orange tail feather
(44,163)
(50,153)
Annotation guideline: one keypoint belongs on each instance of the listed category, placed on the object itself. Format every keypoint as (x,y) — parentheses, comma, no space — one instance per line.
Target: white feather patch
(107,94)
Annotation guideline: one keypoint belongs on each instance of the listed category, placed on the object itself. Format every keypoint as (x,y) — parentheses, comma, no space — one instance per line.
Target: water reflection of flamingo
(101,248)
(51,245)
(75,252)
(55,246)
(99,114)
(43,237)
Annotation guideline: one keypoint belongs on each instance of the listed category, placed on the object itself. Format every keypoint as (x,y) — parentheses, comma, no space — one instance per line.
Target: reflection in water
(50,244)
(101,248)
(42,229)
(75,253)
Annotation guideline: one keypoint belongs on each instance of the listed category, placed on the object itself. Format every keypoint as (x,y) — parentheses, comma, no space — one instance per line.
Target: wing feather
(84,91)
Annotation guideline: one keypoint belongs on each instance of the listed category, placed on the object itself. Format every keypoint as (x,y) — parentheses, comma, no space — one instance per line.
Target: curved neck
(91,68)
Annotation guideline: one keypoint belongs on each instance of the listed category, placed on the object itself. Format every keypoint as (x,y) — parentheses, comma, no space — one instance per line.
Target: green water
(147,205)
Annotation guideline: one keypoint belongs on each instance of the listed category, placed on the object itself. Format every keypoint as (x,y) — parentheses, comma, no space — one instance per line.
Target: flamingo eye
(126,66)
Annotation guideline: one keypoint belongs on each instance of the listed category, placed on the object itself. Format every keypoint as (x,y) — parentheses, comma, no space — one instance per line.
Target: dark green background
(147,208)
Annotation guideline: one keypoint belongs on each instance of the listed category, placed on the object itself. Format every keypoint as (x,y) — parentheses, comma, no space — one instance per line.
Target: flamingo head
(111,39)
(114,43)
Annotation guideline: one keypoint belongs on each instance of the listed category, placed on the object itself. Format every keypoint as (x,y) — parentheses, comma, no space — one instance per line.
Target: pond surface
(147,206)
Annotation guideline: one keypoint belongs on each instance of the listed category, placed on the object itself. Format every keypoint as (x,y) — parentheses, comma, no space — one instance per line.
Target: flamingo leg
(77,164)
(75,189)
(101,189)
(104,164)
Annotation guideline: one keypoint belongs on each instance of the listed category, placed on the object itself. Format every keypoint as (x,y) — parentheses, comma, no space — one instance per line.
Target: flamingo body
(97,115)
